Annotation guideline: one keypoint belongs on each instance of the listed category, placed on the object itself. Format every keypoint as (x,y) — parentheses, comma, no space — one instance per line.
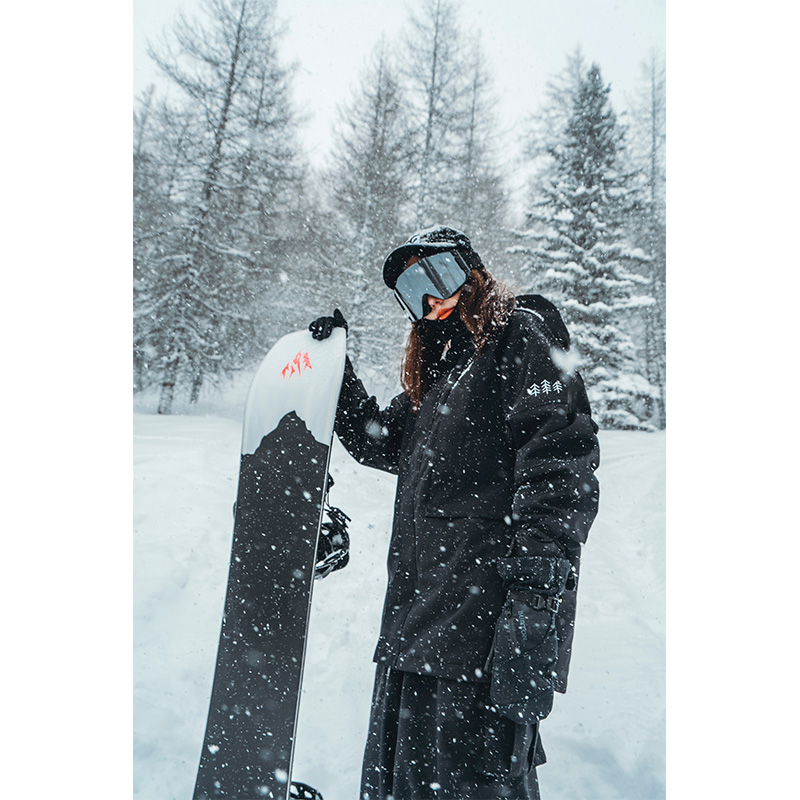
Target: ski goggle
(439,274)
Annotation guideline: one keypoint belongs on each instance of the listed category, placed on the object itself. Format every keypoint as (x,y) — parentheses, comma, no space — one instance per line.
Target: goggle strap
(402,303)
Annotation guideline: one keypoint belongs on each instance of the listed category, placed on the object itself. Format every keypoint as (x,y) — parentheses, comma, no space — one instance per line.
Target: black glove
(525,641)
(322,327)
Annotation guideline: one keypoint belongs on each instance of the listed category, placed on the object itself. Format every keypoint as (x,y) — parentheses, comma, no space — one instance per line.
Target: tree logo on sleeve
(545,387)
(299,364)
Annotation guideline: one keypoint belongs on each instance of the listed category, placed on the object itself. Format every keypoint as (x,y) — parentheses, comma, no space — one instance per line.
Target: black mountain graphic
(259,662)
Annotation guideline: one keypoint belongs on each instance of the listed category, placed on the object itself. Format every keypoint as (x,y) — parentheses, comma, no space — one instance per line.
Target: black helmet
(425,242)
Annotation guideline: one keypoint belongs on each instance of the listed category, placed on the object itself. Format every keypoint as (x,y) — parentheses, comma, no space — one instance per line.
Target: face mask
(439,274)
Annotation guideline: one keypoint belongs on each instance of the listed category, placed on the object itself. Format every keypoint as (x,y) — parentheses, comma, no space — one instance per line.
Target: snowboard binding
(333,548)
(302,791)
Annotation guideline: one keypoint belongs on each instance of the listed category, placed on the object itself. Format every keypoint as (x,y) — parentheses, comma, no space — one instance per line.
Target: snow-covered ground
(605,738)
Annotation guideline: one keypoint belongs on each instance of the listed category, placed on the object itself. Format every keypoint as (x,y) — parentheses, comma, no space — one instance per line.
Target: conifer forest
(238,240)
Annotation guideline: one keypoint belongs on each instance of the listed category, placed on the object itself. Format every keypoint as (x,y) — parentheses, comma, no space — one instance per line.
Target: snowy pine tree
(368,190)
(161,155)
(578,253)
(146,212)
(455,177)
(649,227)
(551,120)
(479,196)
(228,172)
(434,80)
(370,158)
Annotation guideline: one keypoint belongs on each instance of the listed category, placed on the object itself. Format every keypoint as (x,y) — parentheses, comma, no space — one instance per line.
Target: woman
(494,450)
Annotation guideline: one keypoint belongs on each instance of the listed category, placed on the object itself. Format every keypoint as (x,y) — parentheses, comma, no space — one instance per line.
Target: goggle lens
(438,274)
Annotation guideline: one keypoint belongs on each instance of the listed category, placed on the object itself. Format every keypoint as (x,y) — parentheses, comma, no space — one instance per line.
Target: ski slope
(605,739)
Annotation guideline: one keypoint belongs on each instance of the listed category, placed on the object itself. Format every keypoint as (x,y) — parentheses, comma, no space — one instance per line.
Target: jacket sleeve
(371,435)
(556,448)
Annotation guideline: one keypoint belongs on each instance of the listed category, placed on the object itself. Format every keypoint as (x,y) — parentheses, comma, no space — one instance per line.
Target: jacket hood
(549,315)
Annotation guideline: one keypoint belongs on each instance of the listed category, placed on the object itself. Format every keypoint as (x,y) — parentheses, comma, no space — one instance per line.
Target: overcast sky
(525,41)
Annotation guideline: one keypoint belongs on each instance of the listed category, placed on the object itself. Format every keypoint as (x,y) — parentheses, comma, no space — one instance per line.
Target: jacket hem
(469,673)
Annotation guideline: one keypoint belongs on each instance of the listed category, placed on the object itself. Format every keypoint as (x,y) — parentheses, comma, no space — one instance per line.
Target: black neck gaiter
(443,342)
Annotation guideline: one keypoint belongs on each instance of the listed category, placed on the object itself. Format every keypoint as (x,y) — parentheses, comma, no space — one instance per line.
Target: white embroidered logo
(545,387)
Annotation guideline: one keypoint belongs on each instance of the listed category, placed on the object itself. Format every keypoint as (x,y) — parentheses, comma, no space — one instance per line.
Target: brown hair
(484,307)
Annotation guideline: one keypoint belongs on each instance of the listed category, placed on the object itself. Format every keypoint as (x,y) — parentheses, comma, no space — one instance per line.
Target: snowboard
(286,442)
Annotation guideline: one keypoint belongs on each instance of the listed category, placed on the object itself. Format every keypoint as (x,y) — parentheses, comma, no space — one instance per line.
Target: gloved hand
(322,327)
(526,642)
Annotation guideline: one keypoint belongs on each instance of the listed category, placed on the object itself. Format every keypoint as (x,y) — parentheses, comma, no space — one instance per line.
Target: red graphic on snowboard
(298,364)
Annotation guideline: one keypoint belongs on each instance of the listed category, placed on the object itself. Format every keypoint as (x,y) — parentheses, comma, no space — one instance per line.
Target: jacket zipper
(487,665)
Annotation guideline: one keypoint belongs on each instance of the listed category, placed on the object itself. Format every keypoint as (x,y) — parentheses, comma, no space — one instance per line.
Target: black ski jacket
(498,461)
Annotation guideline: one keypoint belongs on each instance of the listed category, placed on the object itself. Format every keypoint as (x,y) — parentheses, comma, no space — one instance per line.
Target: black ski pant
(438,739)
